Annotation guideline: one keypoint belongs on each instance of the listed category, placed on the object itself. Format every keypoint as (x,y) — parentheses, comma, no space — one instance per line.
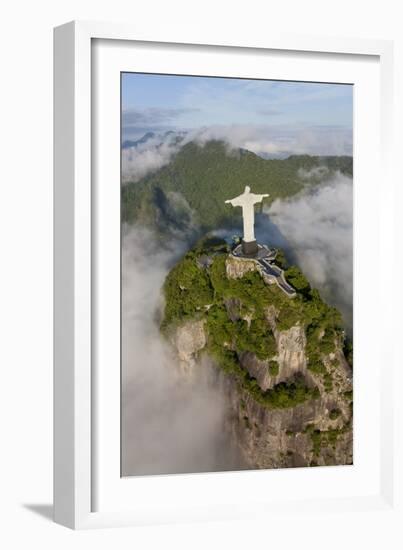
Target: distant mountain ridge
(135,143)
(158,138)
(190,190)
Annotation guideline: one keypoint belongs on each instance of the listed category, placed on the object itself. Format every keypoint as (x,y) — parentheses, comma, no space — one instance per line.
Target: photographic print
(236,274)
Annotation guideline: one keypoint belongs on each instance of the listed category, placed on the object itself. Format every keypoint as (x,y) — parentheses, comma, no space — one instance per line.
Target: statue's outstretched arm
(234,202)
(259,198)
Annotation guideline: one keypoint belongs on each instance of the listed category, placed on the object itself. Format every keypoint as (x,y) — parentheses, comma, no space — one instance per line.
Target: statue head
(247,189)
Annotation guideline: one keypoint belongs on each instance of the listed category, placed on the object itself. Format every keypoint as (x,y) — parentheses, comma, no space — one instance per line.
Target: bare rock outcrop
(189,338)
(291,351)
(236,268)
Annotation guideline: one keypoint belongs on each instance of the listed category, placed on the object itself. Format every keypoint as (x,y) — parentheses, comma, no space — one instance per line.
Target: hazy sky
(164,102)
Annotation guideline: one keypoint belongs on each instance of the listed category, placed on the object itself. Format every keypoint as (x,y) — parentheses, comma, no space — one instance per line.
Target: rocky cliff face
(286,384)
(188,340)
(290,357)
(317,432)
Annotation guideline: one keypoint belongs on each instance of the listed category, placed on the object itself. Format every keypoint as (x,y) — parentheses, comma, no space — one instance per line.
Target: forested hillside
(192,188)
(283,362)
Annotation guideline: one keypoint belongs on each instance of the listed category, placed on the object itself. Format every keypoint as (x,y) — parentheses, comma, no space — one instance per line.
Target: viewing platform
(271,273)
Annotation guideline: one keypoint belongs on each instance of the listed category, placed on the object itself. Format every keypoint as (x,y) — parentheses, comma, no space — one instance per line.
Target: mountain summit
(280,361)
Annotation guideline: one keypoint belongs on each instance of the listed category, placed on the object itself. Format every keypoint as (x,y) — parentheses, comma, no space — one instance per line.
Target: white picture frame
(80,431)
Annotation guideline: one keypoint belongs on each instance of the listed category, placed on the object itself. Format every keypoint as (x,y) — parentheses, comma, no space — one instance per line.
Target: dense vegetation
(197,287)
(205,176)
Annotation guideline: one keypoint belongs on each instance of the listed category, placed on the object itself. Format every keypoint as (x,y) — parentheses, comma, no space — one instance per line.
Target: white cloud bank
(318,226)
(148,157)
(169,424)
(282,140)
(267,141)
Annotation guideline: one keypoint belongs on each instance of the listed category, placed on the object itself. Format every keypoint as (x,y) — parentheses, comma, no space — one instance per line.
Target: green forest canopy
(207,175)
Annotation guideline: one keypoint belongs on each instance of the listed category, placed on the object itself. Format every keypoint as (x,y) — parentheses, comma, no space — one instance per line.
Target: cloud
(148,157)
(315,173)
(267,141)
(170,423)
(317,227)
(282,140)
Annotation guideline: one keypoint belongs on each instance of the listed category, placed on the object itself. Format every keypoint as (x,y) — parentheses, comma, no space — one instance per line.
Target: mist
(280,141)
(148,157)
(274,141)
(316,229)
(171,423)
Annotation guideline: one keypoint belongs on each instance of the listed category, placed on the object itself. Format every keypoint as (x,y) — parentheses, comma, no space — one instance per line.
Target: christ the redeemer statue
(247,201)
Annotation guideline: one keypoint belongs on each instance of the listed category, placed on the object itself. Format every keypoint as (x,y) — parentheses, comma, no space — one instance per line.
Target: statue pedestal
(249,248)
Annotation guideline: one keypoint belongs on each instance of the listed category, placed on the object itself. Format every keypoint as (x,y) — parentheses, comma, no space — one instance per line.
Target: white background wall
(26,267)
